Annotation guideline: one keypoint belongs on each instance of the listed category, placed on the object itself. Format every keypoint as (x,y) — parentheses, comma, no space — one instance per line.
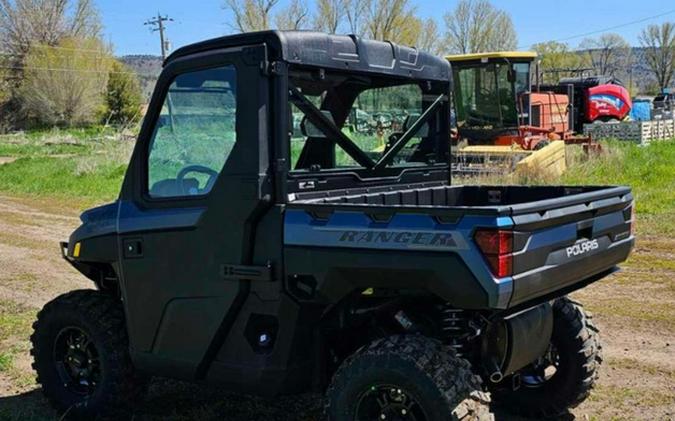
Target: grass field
(46,178)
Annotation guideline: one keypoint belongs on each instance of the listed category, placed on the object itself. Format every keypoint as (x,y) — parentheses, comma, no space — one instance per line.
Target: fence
(636,131)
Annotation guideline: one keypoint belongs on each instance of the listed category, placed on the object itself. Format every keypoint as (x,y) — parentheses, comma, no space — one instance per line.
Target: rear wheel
(406,378)
(563,378)
(80,354)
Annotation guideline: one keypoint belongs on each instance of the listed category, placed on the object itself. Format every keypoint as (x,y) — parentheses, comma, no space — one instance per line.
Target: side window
(194,134)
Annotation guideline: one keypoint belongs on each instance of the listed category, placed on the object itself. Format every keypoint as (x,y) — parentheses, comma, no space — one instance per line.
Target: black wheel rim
(390,403)
(542,371)
(77,361)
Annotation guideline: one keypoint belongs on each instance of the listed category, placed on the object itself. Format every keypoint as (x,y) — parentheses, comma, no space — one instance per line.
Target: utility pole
(157,25)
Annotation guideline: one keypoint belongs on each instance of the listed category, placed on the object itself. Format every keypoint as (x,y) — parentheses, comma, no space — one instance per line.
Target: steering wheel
(486,92)
(180,178)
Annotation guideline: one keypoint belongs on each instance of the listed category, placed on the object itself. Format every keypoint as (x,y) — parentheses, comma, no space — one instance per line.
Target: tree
(123,95)
(393,20)
(356,13)
(4,79)
(556,56)
(476,26)
(293,17)
(329,15)
(251,15)
(45,22)
(25,24)
(429,39)
(607,54)
(64,85)
(659,45)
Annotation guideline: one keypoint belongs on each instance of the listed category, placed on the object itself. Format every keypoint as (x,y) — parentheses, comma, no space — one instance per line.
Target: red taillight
(496,246)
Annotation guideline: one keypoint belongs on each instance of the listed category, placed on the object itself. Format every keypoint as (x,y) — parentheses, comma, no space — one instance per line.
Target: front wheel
(406,378)
(80,354)
(563,378)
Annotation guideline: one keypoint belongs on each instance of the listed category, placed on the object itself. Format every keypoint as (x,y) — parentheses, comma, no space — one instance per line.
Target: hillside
(147,67)
(638,73)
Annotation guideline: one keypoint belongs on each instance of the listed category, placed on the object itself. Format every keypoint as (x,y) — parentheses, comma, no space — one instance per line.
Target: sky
(535,21)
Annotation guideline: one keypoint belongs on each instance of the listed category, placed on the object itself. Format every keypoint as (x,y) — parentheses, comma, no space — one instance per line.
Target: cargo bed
(547,222)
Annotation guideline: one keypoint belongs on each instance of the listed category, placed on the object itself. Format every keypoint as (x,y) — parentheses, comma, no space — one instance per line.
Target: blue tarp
(641,111)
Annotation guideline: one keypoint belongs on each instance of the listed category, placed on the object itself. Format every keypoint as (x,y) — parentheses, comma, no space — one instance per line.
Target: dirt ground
(634,309)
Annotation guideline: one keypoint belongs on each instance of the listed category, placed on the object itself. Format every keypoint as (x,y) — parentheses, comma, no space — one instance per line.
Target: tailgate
(562,242)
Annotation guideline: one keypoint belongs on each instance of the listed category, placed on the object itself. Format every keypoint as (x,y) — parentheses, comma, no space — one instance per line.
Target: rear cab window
(371,113)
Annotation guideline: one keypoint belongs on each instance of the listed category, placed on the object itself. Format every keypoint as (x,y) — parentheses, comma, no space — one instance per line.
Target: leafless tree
(251,15)
(658,42)
(356,12)
(392,20)
(329,15)
(295,16)
(477,26)
(429,39)
(24,23)
(607,54)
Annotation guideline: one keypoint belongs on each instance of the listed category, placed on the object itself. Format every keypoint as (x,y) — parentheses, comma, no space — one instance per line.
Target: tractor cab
(495,104)
(490,92)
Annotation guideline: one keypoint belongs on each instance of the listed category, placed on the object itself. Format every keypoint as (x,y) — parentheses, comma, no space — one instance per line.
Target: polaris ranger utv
(262,242)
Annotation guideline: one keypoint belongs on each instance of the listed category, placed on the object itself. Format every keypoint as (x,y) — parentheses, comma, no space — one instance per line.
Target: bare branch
(250,15)
(659,45)
(607,54)
(329,15)
(294,17)
(477,26)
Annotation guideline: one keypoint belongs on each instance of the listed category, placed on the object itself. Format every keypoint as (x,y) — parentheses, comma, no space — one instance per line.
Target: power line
(610,28)
(157,25)
(8,54)
(56,47)
(51,69)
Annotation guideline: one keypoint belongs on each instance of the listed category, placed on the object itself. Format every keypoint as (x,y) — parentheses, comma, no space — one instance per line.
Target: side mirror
(310,130)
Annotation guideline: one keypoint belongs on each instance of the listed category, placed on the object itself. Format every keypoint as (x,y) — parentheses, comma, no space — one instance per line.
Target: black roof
(590,81)
(347,52)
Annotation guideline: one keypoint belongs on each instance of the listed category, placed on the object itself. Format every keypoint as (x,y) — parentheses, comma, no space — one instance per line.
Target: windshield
(486,95)
(343,121)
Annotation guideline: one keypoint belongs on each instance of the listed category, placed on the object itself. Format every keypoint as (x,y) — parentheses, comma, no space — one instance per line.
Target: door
(192,185)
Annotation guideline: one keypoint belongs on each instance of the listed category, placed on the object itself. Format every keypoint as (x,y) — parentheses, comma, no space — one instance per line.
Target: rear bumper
(551,278)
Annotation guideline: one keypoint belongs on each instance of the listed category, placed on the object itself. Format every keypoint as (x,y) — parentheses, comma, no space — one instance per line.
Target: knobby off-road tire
(579,352)
(88,327)
(399,370)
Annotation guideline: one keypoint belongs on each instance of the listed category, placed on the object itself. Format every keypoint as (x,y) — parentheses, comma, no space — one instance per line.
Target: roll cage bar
(325,125)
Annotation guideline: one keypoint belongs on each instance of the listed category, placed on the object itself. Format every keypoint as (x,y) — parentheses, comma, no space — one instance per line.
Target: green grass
(649,170)
(87,166)
(83,167)
(15,322)
(32,149)
(6,361)
(57,177)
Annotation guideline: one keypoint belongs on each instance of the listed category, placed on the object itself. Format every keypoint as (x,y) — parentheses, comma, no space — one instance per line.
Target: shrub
(123,95)
(64,86)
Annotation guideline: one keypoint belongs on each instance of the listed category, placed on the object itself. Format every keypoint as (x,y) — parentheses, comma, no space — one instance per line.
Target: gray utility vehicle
(271,262)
